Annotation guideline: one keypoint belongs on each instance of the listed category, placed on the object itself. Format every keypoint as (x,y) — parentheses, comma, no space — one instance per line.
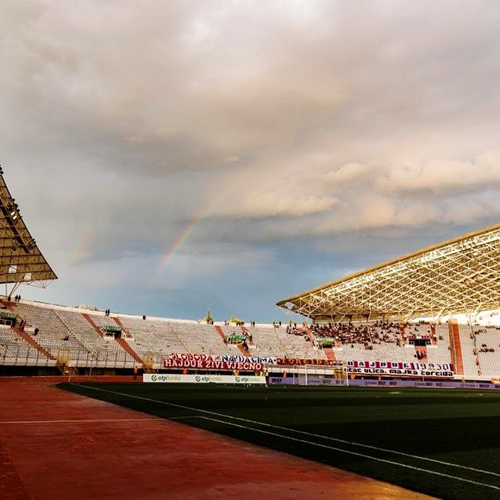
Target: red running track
(56,444)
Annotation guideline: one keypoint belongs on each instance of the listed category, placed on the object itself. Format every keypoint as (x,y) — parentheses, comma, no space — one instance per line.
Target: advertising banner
(209,364)
(354,367)
(396,372)
(221,363)
(426,385)
(309,362)
(167,378)
(401,365)
(302,380)
(313,381)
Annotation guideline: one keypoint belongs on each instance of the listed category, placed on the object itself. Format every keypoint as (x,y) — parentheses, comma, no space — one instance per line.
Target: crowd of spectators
(484,348)
(292,329)
(368,335)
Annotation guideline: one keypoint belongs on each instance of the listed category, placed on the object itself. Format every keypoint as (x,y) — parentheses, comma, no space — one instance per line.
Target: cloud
(163,77)
(272,204)
(127,126)
(446,176)
(350,173)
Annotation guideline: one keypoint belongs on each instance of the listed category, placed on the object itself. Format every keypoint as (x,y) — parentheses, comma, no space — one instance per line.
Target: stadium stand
(480,350)
(14,350)
(439,351)
(94,339)
(100,349)
(298,345)
(161,337)
(267,342)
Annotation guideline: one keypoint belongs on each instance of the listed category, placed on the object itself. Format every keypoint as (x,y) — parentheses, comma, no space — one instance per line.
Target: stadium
(362,378)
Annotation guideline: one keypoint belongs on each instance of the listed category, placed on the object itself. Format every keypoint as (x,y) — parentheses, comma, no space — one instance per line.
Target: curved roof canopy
(459,276)
(20,259)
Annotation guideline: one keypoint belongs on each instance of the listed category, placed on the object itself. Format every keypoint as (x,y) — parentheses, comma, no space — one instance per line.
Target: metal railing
(18,355)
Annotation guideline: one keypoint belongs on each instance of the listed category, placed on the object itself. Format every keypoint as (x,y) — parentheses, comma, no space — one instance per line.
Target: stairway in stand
(32,342)
(245,330)
(120,324)
(330,354)
(218,329)
(456,347)
(433,334)
(7,305)
(244,351)
(94,326)
(124,344)
(310,335)
(421,352)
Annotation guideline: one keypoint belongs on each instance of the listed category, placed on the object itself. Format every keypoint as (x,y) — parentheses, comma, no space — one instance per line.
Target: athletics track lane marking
(311,442)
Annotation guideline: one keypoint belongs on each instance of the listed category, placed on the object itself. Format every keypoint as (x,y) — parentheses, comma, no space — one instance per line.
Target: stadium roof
(459,276)
(20,259)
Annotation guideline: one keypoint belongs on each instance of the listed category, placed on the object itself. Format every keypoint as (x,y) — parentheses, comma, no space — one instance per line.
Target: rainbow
(83,241)
(196,221)
(183,237)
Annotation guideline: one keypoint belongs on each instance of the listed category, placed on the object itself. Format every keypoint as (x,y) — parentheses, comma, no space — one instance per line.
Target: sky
(173,157)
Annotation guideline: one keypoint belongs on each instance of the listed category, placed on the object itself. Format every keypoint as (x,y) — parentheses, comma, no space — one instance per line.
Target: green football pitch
(445,443)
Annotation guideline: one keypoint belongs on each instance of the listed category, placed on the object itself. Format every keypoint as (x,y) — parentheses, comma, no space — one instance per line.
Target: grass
(444,443)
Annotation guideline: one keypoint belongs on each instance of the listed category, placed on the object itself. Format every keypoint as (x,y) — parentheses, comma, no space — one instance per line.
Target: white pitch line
(398,464)
(338,440)
(417,457)
(310,434)
(361,445)
(386,450)
(184,417)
